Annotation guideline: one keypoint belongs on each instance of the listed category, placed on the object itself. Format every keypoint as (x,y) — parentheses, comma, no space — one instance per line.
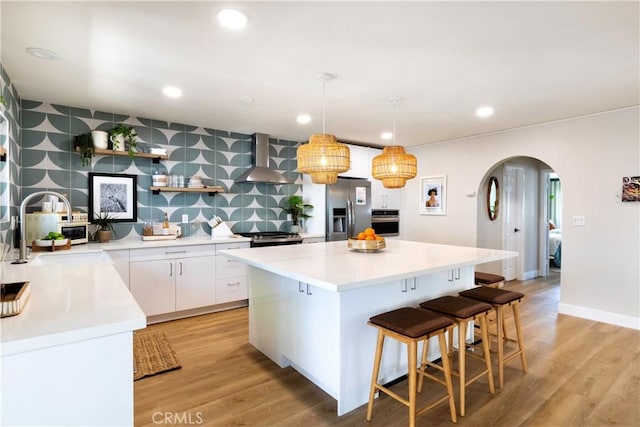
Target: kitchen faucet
(23,212)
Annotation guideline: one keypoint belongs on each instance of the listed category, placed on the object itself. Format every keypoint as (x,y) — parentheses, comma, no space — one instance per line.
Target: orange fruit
(361,236)
(370,237)
(379,238)
(369,231)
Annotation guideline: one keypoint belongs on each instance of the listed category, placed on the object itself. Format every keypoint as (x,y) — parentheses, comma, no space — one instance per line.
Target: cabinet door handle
(413,283)
(175,252)
(450,275)
(233,284)
(458,273)
(404,286)
(170,269)
(309,290)
(300,287)
(181,268)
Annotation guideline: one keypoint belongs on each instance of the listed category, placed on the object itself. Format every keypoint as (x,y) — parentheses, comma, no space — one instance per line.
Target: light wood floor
(581,373)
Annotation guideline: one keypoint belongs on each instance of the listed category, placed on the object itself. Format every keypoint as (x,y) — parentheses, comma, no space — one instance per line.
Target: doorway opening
(530,201)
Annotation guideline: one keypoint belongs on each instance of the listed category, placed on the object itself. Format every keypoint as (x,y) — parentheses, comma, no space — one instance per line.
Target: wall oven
(39,224)
(386,222)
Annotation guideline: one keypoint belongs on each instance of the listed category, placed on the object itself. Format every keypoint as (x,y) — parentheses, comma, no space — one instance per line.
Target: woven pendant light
(394,166)
(323,158)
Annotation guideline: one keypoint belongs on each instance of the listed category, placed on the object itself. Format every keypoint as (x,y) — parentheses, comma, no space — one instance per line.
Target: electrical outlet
(185,218)
(578,220)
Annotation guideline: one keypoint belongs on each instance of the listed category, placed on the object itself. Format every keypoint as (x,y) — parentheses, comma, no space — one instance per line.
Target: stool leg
(376,371)
(423,362)
(412,348)
(516,318)
(484,327)
(500,333)
(462,342)
(447,376)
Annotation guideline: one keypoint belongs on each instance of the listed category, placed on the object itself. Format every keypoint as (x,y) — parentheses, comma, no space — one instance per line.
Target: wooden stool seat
(410,326)
(488,279)
(462,311)
(500,298)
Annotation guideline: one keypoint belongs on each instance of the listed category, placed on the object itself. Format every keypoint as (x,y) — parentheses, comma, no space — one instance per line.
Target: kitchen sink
(71,258)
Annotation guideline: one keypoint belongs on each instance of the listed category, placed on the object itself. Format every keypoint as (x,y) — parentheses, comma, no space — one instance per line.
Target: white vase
(118,142)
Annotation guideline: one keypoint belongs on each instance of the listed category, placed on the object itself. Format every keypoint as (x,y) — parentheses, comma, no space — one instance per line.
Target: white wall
(591,154)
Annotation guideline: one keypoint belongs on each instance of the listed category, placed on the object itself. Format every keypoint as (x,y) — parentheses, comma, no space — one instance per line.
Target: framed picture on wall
(433,195)
(115,194)
(631,189)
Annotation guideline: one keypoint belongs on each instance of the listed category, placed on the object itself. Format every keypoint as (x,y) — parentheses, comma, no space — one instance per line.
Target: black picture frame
(116,194)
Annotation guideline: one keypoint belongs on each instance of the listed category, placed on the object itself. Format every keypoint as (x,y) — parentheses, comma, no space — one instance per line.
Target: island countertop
(333,266)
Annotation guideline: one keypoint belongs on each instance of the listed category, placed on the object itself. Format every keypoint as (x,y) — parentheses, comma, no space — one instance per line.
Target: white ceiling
(532,61)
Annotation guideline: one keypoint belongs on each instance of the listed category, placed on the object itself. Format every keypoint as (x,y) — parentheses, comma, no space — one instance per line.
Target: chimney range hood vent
(259,171)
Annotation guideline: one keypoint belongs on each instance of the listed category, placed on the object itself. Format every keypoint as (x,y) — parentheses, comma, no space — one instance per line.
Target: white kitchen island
(309,305)
(67,358)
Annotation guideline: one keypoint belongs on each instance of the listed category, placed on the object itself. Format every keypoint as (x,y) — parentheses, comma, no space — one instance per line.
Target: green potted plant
(104,227)
(295,206)
(122,134)
(84,145)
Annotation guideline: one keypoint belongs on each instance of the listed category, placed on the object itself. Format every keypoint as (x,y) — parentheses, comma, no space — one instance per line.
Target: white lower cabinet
(164,280)
(231,275)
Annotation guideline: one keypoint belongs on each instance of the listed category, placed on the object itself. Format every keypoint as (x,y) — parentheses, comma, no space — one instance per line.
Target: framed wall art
(631,189)
(433,195)
(115,194)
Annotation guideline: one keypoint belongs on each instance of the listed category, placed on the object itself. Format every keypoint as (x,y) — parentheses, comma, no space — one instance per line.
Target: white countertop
(334,267)
(69,302)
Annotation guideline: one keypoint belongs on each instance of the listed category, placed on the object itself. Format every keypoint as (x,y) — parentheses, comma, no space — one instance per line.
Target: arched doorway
(528,200)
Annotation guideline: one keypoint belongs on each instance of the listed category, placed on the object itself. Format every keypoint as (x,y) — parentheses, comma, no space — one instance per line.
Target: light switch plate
(578,220)
(185,218)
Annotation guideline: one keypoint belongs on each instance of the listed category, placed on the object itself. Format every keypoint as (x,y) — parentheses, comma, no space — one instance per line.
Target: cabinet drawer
(225,246)
(231,289)
(171,252)
(227,267)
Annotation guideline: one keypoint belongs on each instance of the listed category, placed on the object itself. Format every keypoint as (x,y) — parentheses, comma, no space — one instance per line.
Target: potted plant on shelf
(84,145)
(104,227)
(296,208)
(122,134)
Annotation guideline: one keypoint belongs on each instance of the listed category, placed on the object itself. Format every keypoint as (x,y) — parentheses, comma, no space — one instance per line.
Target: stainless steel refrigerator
(348,208)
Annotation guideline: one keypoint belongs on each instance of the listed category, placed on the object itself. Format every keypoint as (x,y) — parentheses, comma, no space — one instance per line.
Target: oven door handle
(385,219)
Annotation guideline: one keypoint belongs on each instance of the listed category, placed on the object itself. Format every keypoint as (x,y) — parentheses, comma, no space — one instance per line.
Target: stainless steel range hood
(260,172)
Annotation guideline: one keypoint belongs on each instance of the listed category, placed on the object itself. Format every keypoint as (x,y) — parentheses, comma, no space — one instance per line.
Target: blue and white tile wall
(48,162)
(9,169)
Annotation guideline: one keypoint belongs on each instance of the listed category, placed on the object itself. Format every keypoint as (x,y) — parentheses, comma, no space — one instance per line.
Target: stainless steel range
(272,238)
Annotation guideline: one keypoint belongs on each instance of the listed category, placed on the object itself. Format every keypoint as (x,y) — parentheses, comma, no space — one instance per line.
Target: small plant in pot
(103,227)
(296,208)
(122,134)
(84,145)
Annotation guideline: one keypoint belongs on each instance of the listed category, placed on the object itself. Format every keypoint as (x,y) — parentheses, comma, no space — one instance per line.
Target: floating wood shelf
(155,157)
(211,190)
(3,154)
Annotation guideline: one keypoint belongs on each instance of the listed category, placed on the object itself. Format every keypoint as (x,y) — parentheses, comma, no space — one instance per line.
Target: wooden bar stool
(499,299)
(410,326)
(488,279)
(463,311)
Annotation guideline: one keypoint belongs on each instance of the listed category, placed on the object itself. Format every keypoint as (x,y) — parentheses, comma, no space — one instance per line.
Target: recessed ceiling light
(42,53)
(386,136)
(485,111)
(232,19)
(303,119)
(172,92)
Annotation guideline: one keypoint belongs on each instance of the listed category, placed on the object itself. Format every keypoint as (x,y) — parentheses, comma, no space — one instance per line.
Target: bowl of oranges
(367,241)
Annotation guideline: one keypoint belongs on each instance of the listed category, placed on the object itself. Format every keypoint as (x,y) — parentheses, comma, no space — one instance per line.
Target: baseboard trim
(528,275)
(600,316)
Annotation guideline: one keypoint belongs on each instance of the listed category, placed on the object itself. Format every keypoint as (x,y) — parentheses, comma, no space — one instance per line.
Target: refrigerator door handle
(349,218)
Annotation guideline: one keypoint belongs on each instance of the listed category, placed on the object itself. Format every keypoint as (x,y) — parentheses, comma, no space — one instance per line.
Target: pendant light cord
(324,82)
(394,122)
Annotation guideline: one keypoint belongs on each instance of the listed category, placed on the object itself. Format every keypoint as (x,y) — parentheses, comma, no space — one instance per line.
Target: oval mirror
(493,198)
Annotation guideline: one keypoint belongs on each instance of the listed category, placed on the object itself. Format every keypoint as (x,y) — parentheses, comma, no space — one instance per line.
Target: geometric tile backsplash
(48,162)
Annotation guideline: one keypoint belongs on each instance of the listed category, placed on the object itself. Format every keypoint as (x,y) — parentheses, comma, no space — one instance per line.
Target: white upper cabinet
(360,162)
